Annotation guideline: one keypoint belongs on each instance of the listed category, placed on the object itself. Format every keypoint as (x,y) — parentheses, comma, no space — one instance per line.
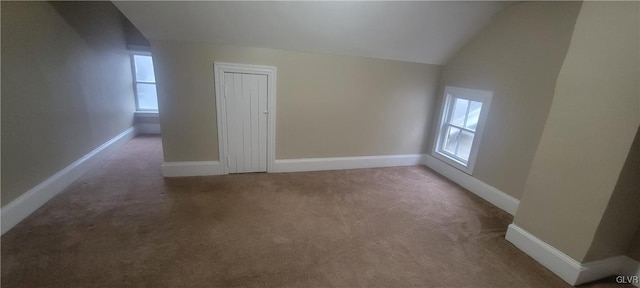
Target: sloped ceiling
(423,32)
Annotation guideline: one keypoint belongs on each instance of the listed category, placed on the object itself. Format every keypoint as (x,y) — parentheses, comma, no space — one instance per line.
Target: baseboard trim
(631,268)
(595,270)
(341,163)
(192,168)
(567,268)
(555,260)
(147,128)
(18,209)
(487,192)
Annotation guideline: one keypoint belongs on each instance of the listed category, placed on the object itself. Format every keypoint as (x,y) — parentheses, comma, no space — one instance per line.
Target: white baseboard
(30,201)
(487,192)
(631,268)
(595,270)
(567,268)
(192,168)
(340,163)
(559,263)
(147,128)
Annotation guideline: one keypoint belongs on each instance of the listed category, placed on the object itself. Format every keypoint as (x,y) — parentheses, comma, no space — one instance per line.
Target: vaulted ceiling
(423,32)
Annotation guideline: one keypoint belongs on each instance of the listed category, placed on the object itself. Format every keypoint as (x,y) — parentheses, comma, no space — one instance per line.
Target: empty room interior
(320,144)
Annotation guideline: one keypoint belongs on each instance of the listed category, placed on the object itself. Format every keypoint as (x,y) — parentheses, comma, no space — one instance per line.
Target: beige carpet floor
(123,225)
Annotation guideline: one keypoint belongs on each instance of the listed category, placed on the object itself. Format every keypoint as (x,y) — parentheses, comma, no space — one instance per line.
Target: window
(144,81)
(463,114)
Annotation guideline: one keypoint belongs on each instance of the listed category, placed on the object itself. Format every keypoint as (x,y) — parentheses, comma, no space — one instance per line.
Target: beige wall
(518,55)
(634,251)
(592,122)
(327,106)
(133,36)
(66,87)
(621,218)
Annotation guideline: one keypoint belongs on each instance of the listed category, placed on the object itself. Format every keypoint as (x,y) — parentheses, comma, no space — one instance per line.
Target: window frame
(450,94)
(135,82)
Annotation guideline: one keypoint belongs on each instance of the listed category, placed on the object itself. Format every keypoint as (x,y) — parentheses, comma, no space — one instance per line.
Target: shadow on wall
(429,138)
(88,17)
(621,220)
(133,36)
(634,251)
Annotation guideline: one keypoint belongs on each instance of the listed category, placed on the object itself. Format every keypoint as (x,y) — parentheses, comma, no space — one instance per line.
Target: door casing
(219,68)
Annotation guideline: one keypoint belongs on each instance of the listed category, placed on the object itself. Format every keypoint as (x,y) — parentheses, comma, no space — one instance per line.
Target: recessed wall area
(518,57)
(617,227)
(327,106)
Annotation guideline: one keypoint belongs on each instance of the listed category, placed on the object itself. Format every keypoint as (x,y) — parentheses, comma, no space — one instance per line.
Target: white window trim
(146,114)
(470,94)
(219,68)
(135,81)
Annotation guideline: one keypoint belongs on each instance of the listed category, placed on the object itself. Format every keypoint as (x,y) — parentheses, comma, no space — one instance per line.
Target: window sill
(151,114)
(453,162)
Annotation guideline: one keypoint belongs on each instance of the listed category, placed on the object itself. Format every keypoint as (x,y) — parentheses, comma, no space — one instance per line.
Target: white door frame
(219,68)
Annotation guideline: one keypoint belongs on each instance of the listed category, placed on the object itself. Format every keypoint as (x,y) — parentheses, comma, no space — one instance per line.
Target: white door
(246,106)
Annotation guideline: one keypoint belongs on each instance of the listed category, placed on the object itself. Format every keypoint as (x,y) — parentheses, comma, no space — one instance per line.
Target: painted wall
(518,55)
(634,250)
(621,218)
(133,36)
(66,87)
(591,126)
(327,106)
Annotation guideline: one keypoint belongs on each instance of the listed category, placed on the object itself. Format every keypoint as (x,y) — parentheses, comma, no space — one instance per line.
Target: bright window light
(144,81)
(463,114)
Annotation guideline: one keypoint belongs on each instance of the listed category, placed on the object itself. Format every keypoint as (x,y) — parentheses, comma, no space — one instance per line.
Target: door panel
(246,105)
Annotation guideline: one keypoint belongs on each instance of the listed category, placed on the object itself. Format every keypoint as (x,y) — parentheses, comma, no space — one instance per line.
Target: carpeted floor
(123,225)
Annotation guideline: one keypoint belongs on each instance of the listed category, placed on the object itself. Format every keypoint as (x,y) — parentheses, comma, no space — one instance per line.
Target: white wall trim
(631,268)
(339,163)
(450,93)
(595,270)
(559,263)
(146,114)
(487,192)
(219,68)
(147,128)
(192,168)
(570,270)
(27,203)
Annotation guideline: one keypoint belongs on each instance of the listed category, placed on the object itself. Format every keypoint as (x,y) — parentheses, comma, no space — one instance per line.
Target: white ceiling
(424,32)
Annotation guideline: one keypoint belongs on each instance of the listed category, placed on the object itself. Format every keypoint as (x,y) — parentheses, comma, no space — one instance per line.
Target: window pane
(465,139)
(474,115)
(144,68)
(451,140)
(459,111)
(147,96)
